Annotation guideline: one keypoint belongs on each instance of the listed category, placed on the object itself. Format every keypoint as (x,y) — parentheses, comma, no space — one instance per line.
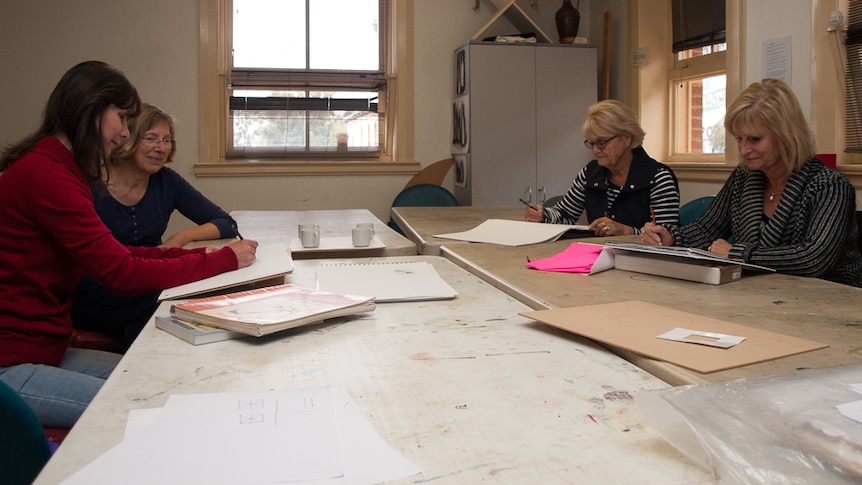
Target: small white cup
(310,237)
(369,225)
(361,236)
(309,226)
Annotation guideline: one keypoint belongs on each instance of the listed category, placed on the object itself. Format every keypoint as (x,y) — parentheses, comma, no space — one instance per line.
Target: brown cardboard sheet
(635,325)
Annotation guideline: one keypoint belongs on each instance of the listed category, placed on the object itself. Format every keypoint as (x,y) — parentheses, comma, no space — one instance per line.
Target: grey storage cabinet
(517,118)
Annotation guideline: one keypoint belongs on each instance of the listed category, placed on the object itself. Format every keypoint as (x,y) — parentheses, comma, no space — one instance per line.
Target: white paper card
(712,339)
(852,410)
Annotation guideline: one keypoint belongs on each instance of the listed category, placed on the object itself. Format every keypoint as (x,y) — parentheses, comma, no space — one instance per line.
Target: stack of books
(258,312)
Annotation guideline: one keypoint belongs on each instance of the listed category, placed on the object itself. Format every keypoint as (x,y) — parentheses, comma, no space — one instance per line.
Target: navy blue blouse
(144,223)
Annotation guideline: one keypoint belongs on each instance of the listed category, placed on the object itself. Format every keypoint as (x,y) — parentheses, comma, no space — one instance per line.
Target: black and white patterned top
(813,231)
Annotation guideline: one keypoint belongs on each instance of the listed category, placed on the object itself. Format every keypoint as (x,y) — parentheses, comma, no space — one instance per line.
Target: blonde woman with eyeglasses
(623,188)
(141,195)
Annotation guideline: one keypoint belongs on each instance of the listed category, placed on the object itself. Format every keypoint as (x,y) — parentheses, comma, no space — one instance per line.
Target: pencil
(236,231)
(652,214)
(531,206)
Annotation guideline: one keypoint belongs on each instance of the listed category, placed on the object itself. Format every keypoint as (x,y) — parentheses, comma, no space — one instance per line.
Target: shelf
(519,19)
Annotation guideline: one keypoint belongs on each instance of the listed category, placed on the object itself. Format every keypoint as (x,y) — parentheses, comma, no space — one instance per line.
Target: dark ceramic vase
(568,19)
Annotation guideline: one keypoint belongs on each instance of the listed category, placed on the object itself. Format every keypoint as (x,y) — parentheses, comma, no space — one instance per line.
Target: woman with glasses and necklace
(781,207)
(141,195)
(623,188)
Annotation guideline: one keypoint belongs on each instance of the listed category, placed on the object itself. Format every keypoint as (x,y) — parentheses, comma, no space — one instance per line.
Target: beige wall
(156,44)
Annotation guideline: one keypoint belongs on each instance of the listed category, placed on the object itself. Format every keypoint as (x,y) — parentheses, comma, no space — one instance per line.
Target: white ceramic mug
(310,226)
(310,237)
(369,225)
(361,236)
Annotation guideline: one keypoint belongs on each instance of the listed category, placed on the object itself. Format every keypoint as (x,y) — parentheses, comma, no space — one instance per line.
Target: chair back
(693,209)
(552,201)
(24,448)
(422,195)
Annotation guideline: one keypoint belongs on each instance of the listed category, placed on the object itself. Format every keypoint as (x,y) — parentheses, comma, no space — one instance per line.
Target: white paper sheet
(270,261)
(513,233)
(309,436)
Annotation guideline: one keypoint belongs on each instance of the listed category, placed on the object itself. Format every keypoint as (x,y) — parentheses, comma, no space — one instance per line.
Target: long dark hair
(74,108)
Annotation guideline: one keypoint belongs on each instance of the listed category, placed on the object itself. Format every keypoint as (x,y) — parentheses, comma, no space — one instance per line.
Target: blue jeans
(59,395)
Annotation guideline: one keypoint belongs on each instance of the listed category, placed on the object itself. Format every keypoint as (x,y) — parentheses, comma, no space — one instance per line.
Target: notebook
(386,281)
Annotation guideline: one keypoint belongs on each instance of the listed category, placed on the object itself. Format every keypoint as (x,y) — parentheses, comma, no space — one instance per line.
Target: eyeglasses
(154,140)
(600,144)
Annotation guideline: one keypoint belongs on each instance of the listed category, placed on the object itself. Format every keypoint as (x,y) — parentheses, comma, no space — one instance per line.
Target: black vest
(632,206)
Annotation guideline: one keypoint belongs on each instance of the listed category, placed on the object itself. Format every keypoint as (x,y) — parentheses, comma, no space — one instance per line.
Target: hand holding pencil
(533,213)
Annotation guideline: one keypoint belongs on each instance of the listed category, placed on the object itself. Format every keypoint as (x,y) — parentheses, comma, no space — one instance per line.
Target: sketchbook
(270,261)
(195,333)
(263,311)
(680,252)
(344,243)
(517,233)
(385,281)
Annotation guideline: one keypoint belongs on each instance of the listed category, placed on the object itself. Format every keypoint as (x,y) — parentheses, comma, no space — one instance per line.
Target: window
(698,93)
(280,93)
(698,80)
(297,90)
(853,79)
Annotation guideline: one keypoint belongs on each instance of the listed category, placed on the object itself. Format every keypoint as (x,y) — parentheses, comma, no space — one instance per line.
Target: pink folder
(577,258)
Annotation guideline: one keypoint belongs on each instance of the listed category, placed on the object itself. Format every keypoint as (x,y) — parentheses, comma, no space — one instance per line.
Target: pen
(652,214)
(531,206)
(236,231)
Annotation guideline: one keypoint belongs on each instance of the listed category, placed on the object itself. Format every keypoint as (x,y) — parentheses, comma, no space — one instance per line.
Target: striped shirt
(813,231)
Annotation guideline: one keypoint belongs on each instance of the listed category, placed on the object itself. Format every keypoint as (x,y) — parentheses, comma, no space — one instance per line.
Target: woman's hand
(656,235)
(534,215)
(245,250)
(720,247)
(605,226)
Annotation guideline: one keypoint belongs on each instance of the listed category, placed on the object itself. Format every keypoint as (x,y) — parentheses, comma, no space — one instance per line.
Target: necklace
(772,195)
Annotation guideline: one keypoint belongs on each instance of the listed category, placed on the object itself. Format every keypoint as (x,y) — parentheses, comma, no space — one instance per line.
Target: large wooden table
(465,389)
(268,227)
(808,308)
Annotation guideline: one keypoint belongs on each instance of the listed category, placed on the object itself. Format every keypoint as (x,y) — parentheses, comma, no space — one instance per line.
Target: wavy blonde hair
(772,104)
(613,118)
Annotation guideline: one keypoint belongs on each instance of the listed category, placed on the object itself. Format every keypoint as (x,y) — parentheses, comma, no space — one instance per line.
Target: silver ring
(606,228)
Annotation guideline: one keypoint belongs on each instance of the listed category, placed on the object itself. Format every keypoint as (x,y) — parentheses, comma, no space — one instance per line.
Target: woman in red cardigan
(51,236)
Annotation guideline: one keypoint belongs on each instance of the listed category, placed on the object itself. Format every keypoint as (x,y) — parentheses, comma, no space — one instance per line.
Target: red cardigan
(51,236)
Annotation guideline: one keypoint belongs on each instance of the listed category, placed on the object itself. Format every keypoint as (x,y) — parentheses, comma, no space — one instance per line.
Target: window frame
(686,70)
(650,88)
(214,69)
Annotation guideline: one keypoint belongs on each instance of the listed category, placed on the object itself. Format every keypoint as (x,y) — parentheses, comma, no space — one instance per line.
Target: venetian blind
(698,23)
(853,77)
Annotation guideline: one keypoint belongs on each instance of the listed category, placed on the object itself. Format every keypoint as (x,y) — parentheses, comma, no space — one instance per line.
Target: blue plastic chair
(552,201)
(422,195)
(693,209)
(24,448)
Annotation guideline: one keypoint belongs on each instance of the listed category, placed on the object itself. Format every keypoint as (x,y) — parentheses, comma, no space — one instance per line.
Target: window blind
(698,23)
(853,77)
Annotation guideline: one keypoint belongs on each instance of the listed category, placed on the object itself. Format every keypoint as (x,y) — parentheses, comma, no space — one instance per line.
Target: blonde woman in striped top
(781,208)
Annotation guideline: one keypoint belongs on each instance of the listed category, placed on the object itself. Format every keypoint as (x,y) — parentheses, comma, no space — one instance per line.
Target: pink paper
(577,258)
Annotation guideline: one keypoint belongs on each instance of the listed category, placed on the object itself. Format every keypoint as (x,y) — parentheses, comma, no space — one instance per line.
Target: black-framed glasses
(600,144)
(154,140)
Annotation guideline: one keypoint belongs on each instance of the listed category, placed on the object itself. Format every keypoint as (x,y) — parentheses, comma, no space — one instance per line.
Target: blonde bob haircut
(150,116)
(612,118)
(772,105)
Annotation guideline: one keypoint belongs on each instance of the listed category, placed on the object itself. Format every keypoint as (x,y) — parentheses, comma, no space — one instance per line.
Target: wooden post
(606,59)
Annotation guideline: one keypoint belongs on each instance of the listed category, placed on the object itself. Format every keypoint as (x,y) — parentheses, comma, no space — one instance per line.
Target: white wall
(156,44)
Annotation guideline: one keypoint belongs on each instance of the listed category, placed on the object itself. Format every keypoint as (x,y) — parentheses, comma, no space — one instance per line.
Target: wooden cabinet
(517,119)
